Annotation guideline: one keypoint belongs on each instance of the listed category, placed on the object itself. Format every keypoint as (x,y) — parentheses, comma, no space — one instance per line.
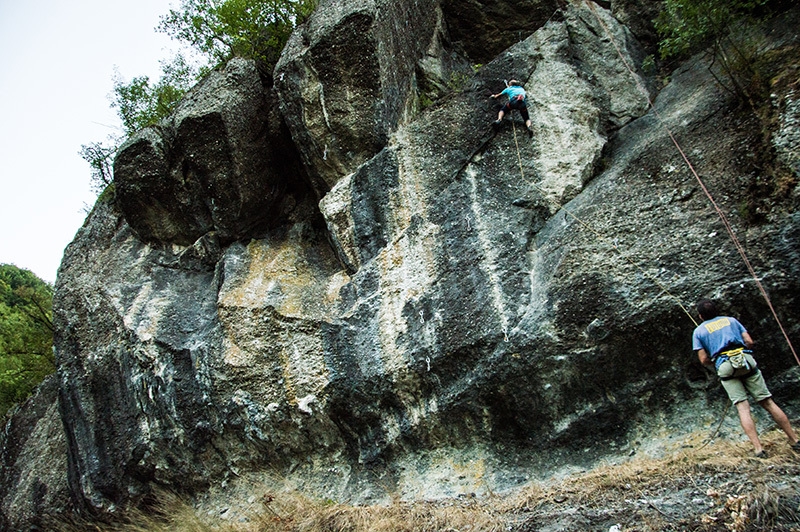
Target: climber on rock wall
(517,99)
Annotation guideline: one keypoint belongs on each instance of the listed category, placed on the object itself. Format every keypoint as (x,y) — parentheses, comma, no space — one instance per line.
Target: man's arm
(495,96)
(748,342)
(704,358)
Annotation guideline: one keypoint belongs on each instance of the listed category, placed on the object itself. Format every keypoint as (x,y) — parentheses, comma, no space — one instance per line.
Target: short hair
(515,83)
(707,309)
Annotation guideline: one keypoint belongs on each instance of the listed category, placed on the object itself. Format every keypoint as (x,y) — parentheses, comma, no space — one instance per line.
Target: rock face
(638,16)
(33,463)
(425,306)
(222,164)
(485,28)
(351,75)
(786,139)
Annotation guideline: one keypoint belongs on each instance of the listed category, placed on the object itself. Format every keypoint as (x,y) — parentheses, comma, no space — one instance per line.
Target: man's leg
(749,425)
(780,418)
(500,116)
(523,110)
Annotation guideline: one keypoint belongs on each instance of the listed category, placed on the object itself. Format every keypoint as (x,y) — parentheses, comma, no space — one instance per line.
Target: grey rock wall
(33,463)
(347,78)
(222,163)
(416,304)
(638,16)
(484,29)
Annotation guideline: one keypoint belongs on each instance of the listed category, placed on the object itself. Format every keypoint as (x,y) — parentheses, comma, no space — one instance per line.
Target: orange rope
(721,214)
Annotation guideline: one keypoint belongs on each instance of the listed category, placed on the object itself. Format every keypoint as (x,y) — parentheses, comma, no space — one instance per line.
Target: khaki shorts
(738,388)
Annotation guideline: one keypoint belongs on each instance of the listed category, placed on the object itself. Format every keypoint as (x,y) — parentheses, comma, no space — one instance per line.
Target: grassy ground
(717,486)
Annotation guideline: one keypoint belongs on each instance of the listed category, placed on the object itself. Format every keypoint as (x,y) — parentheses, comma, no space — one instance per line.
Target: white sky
(57,60)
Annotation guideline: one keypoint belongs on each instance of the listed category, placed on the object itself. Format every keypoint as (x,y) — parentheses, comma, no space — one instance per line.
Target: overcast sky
(57,61)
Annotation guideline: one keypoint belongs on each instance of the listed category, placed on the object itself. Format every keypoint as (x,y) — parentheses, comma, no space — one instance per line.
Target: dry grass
(738,492)
(293,512)
(738,488)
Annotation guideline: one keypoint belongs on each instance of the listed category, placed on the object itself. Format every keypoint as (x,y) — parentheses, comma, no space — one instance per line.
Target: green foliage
(221,29)
(140,103)
(686,26)
(458,82)
(649,65)
(425,100)
(26,334)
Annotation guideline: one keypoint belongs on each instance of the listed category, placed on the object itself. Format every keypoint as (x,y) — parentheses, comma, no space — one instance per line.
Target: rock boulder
(219,164)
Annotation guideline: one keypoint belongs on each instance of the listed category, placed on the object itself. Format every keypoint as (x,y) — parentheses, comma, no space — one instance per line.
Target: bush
(26,334)
(686,26)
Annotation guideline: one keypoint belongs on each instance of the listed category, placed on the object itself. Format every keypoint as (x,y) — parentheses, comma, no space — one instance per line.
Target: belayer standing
(724,343)
(517,99)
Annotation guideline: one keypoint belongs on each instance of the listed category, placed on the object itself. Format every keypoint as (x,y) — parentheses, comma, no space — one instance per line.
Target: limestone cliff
(340,273)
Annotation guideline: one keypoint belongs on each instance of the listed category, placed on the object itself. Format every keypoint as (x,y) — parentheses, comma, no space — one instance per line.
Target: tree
(26,334)
(100,157)
(688,25)
(221,29)
(140,103)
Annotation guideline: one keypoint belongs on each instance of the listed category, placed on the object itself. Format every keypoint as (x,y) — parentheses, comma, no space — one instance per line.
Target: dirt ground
(706,486)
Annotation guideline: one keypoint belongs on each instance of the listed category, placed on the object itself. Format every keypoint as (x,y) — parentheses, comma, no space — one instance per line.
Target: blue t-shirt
(715,334)
(514,90)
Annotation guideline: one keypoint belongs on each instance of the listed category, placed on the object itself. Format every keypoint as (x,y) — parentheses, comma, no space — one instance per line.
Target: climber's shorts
(738,388)
(519,105)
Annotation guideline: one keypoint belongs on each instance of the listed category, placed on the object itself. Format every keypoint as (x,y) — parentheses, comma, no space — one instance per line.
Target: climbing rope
(719,211)
(599,235)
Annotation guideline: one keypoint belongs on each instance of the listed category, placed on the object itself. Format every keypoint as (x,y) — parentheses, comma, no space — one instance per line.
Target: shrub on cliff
(221,29)
(721,26)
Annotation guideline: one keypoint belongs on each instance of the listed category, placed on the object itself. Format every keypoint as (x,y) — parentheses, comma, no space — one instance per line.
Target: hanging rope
(719,211)
(599,235)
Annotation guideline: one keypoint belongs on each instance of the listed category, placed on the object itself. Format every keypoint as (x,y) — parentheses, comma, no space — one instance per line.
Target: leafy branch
(719,26)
